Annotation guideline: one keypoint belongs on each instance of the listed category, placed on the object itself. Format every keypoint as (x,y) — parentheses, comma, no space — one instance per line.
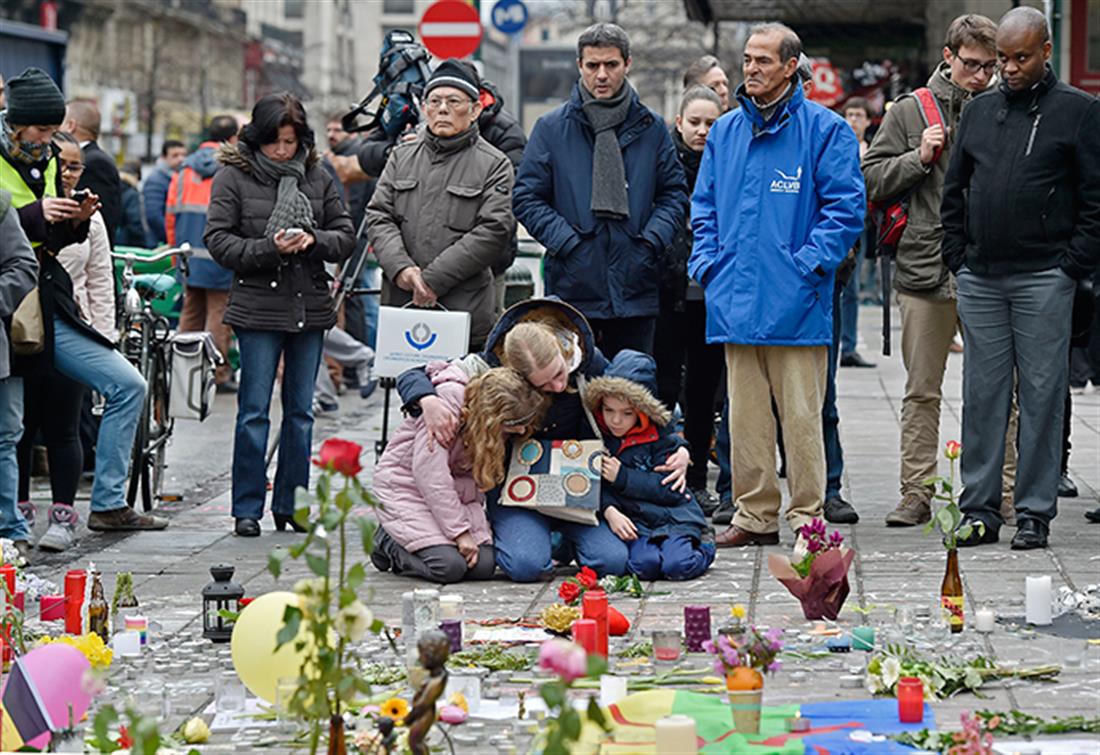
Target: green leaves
(292,622)
(275,561)
(317,564)
(367,528)
(553,693)
(597,666)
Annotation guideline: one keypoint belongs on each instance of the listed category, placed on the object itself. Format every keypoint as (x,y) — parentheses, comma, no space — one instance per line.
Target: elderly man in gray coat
(441,214)
(18,275)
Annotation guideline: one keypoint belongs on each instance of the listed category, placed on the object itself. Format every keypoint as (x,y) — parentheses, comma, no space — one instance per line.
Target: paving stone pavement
(893,567)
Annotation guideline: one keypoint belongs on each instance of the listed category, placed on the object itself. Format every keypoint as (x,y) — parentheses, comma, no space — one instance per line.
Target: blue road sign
(509,16)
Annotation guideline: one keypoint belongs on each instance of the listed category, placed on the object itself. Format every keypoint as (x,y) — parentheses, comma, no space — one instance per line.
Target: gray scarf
(292,208)
(609,199)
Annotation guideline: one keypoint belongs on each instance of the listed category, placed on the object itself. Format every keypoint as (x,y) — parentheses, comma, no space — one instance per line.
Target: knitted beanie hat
(452,73)
(35,100)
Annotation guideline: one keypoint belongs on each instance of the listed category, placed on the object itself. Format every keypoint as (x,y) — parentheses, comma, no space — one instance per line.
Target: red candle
(75,579)
(7,571)
(20,600)
(910,694)
(595,608)
(51,607)
(585,634)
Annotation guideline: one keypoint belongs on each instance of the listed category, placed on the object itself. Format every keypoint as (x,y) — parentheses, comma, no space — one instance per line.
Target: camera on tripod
(402,74)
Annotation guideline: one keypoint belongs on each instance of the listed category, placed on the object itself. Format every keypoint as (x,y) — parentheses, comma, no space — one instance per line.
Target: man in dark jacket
(154,191)
(1021,221)
(601,188)
(100,172)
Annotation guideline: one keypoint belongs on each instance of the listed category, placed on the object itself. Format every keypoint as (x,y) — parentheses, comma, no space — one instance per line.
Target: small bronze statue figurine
(435,649)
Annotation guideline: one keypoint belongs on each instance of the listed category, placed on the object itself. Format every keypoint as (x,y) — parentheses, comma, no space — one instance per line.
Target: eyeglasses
(453,103)
(76,168)
(972,66)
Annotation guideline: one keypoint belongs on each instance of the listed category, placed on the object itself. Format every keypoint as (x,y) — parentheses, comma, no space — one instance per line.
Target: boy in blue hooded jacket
(665,531)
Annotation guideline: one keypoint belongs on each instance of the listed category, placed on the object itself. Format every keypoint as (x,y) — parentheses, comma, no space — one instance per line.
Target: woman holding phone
(275,219)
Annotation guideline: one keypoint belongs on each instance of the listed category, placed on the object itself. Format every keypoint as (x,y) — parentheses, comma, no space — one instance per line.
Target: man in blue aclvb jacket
(601,187)
(778,203)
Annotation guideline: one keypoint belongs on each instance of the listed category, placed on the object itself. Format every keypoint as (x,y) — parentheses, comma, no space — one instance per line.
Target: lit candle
(676,736)
(451,607)
(984,620)
(594,606)
(910,694)
(51,607)
(586,634)
(1038,600)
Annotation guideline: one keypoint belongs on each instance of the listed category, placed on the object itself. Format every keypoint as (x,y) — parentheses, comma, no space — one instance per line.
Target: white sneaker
(61,534)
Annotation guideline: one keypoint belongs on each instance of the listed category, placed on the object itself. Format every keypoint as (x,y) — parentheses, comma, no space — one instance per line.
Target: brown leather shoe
(735,537)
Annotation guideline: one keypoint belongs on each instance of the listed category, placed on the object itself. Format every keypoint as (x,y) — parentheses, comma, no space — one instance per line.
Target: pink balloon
(58,672)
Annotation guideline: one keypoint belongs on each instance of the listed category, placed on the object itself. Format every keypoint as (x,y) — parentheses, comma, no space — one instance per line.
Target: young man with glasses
(441,214)
(908,155)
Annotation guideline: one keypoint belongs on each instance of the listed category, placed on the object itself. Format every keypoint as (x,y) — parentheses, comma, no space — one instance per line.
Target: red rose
(340,456)
(953,449)
(587,578)
(124,739)
(569,592)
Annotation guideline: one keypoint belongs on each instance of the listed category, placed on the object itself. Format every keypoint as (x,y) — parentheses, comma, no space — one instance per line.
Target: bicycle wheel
(138,457)
(160,430)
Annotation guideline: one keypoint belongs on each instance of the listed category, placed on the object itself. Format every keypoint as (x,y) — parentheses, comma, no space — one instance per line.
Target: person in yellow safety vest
(31,172)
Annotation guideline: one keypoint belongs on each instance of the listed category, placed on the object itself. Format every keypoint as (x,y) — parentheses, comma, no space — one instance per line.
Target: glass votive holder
(230,694)
(667,645)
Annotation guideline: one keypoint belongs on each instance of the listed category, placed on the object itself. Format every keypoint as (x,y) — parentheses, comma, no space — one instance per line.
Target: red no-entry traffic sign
(450,29)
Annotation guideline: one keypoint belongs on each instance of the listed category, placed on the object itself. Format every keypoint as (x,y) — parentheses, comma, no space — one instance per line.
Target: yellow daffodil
(90,644)
(738,611)
(459,701)
(395,708)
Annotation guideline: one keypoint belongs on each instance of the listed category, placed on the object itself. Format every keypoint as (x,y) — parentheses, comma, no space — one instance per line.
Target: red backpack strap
(930,110)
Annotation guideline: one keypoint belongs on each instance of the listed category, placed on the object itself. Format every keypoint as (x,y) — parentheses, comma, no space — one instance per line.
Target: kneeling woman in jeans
(432,498)
(275,219)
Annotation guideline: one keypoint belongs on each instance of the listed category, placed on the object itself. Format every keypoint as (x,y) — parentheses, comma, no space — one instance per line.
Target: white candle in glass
(676,736)
(1038,591)
(612,689)
(984,620)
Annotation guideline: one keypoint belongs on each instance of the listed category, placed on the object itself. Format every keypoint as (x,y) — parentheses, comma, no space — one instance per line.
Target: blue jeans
(107,372)
(522,541)
(678,557)
(260,353)
(370,277)
(830,417)
(12,524)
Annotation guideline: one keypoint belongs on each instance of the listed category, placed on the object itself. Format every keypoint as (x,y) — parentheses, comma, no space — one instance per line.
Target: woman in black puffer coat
(686,364)
(275,219)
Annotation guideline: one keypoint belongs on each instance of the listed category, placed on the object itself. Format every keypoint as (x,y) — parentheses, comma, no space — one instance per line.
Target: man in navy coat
(601,188)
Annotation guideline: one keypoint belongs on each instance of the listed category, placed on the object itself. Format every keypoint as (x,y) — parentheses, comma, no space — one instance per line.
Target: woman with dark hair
(275,219)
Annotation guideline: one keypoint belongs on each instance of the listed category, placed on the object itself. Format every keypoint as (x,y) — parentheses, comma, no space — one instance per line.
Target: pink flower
(564,658)
(953,449)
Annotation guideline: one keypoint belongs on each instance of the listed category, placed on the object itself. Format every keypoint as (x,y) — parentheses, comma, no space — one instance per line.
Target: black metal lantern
(222,593)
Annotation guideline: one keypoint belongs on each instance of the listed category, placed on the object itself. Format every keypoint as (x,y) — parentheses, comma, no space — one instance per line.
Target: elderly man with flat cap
(441,214)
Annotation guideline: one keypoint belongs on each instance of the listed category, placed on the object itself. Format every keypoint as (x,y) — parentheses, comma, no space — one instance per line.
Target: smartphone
(292,233)
(81,195)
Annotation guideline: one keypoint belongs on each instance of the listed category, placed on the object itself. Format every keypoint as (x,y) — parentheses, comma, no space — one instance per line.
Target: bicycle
(145,340)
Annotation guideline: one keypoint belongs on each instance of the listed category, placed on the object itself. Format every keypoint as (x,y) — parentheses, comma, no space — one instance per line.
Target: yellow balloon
(255,659)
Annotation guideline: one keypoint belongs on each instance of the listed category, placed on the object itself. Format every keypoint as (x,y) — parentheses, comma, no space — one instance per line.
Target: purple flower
(835,539)
(719,667)
(814,546)
(774,666)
